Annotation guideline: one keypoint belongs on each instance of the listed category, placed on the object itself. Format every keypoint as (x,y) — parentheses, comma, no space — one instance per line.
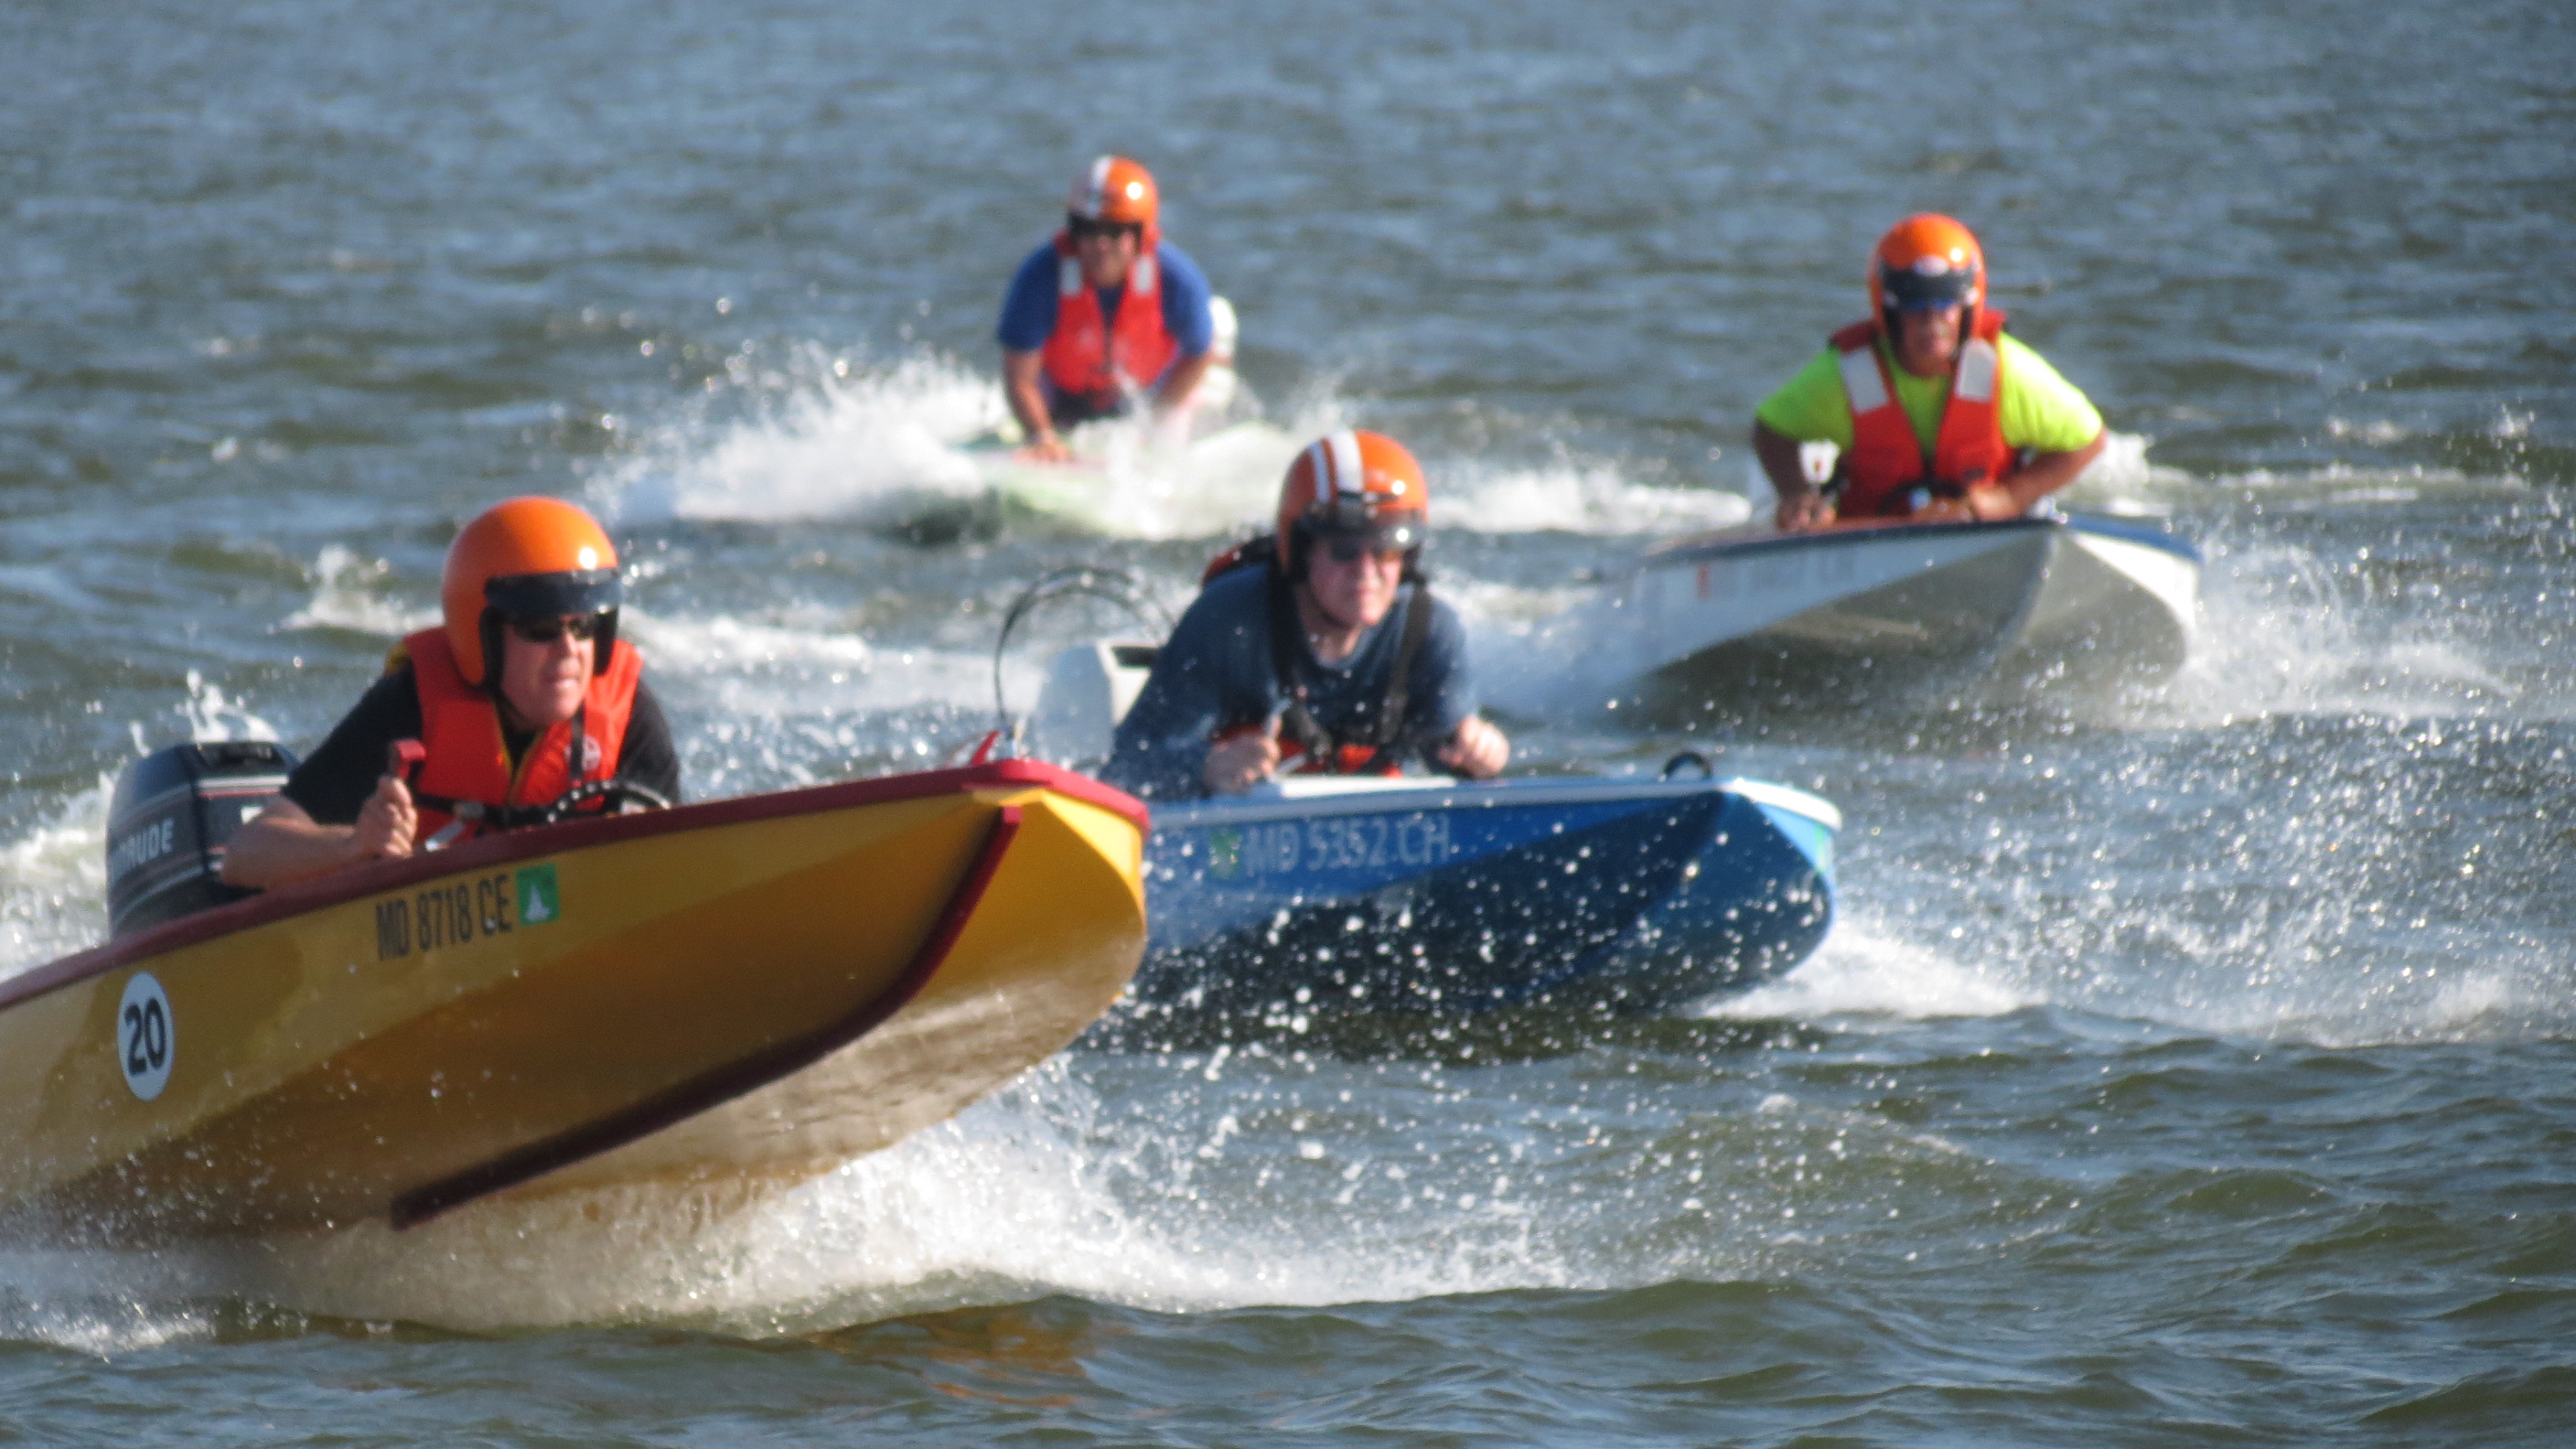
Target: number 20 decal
(145,1039)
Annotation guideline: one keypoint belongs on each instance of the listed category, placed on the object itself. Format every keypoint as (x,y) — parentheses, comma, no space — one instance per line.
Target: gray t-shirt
(1216,674)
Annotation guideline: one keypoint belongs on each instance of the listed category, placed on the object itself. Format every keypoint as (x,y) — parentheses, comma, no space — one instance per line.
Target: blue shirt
(1215,673)
(1028,310)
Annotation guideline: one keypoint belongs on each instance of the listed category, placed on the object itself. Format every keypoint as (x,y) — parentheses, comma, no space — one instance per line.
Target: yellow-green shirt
(2035,406)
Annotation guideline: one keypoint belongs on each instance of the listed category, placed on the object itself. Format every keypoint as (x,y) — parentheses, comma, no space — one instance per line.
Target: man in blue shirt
(1328,651)
(1103,313)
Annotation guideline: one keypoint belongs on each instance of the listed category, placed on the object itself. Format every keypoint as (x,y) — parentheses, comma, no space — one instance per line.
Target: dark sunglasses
(1084,228)
(546,631)
(1914,292)
(1352,550)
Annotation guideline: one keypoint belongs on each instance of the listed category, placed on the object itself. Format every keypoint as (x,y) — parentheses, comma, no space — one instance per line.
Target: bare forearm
(1780,461)
(1183,380)
(2051,471)
(1026,397)
(282,844)
(272,851)
(1784,463)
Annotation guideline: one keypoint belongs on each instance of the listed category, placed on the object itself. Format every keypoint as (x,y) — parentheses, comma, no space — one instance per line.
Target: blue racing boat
(1415,895)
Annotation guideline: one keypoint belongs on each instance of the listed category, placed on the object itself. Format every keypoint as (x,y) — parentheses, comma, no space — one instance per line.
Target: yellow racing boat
(748,991)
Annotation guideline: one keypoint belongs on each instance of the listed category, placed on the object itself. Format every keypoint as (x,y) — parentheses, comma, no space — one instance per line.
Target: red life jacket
(1344,760)
(468,762)
(1086,358)
(1339,760)
(1885,473)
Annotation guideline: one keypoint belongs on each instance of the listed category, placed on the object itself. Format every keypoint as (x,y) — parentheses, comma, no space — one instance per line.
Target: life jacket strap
(1297,723)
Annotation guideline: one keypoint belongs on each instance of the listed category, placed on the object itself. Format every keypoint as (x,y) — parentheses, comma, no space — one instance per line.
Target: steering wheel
(1689,759)
(624,797)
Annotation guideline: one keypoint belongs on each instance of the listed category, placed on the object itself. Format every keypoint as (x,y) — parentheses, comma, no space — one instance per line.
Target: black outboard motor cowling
(166,827)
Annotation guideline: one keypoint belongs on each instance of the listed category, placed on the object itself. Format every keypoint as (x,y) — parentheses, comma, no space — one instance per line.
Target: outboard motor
(166,827)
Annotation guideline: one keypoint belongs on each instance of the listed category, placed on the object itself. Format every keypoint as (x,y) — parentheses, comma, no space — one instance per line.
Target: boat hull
(1626,895)
(752,990)
(1898,614)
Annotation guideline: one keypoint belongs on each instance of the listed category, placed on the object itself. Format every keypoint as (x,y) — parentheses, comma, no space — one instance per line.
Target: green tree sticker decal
(538,902)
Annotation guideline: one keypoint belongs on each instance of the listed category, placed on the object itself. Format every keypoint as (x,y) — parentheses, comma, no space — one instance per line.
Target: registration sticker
(538,901)
(145,1042)
(1335,843)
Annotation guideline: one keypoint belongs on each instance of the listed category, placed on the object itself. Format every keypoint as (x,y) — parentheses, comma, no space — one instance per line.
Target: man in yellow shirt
(1938,415)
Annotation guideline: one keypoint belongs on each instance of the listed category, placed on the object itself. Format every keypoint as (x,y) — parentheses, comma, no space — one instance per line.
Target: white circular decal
(145,1036)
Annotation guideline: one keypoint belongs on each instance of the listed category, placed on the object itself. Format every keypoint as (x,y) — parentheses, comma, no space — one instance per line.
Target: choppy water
(2184,1070)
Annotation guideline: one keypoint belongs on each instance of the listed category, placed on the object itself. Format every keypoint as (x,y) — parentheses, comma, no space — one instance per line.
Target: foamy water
(53,884)
(886,446)
(1576,498)
(1173,1183)
(2187,1068)
(2292,624)
(835,444)
(1861,971)
(354,593)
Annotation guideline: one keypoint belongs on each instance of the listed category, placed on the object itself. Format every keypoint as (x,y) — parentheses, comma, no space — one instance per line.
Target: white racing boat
(1886,614)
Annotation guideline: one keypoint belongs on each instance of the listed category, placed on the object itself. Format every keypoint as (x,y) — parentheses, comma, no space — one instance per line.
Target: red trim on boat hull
(715,1088)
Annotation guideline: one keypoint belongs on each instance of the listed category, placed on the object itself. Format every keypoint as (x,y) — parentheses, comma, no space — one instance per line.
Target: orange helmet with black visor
(527,559)
(1112,194)
(1352,485)
(1926,260)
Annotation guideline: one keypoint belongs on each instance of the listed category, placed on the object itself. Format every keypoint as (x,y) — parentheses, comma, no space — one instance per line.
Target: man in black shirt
(335,781)
(522,696)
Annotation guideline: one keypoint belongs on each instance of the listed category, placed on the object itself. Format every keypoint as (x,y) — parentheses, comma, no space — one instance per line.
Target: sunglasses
(1913,291)
(1352,550)
(581,627)
(1084,228)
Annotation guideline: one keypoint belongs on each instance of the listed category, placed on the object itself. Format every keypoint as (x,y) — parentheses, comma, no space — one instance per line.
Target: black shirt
(335,780)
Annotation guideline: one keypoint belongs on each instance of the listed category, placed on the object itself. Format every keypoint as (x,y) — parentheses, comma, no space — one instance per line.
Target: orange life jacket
(1087,358)
(1885,473)
(467,787)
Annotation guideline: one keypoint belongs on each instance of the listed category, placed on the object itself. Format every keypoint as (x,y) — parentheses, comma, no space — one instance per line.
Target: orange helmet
(529,558)
(1116,191)
(1351,484)
(1926,260)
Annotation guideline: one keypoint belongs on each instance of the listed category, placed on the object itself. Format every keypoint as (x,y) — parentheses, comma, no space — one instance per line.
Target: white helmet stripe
(1349,476)
(1095,189)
